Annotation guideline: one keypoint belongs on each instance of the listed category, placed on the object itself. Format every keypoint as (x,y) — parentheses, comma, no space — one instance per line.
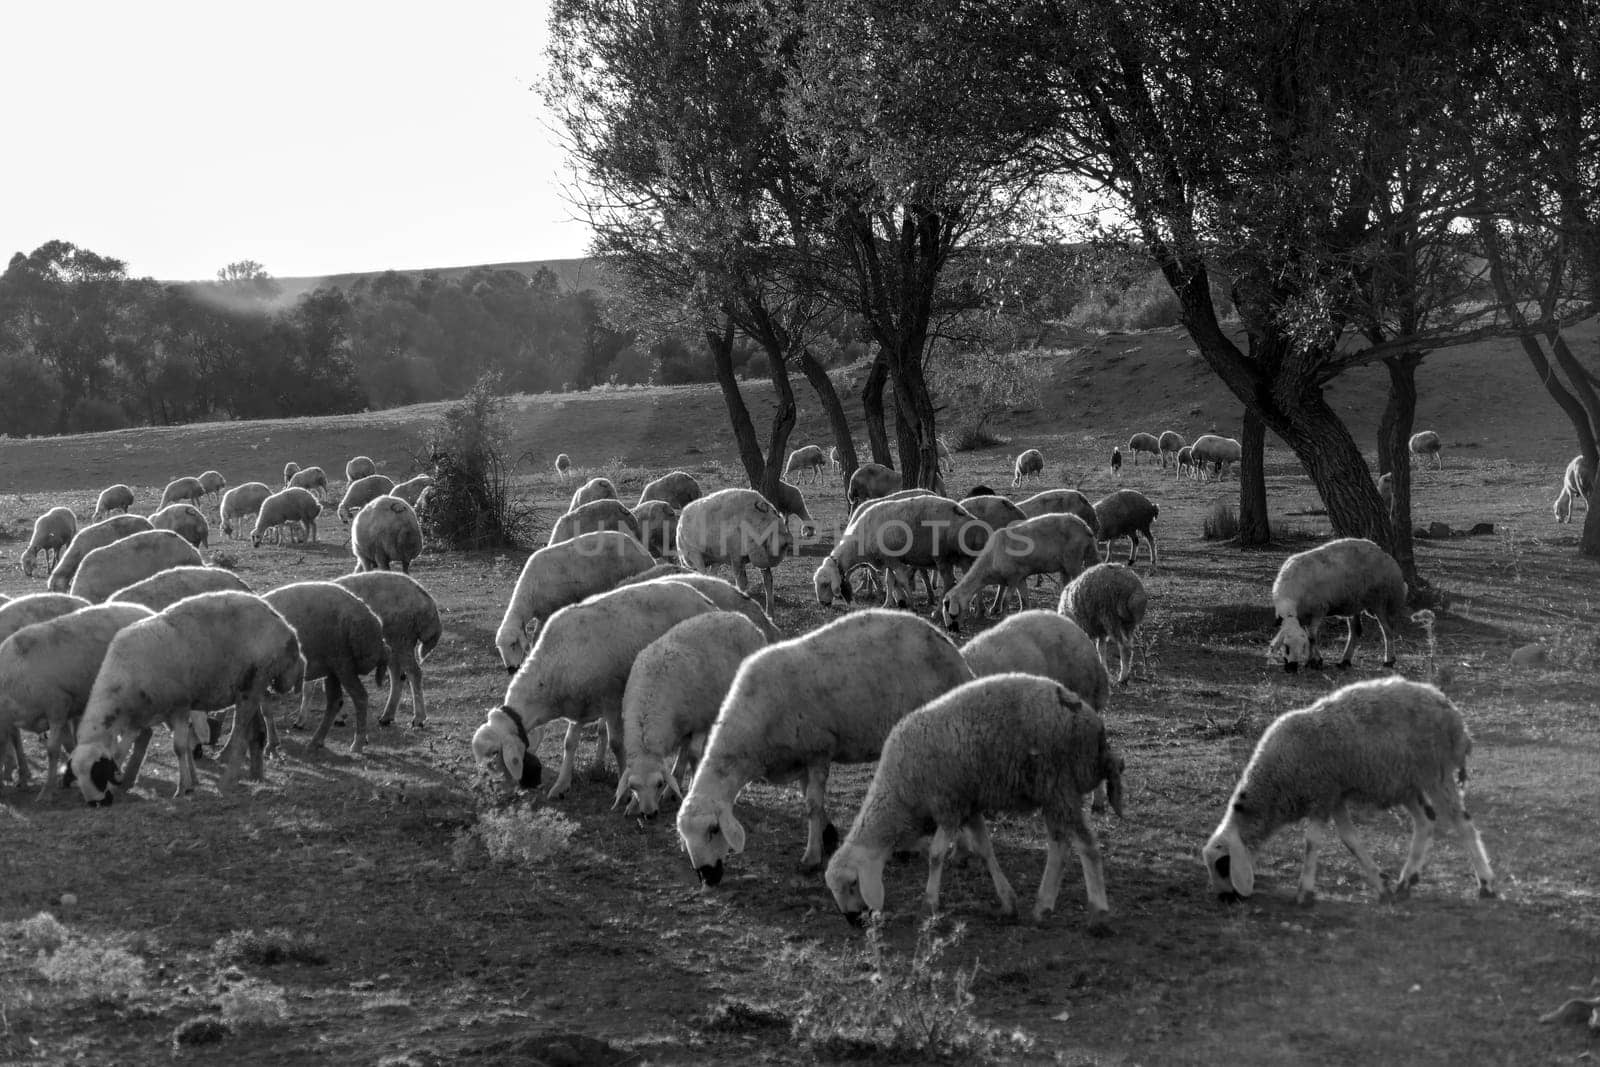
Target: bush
(273,946)
(93,969)
(972,436)
(471,503)
(515,837)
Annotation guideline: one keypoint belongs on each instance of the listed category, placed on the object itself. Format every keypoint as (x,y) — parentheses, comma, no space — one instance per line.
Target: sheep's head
(950,608)
(646,780)
(830,582)
(28,558)
(855,879)
(1227,857)
(93,769)
(502,749)
(1293,640)
(512,641)
(709,832)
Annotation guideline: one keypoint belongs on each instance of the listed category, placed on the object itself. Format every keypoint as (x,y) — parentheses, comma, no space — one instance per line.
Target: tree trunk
(1329,454)
(915,432)
(872,410)
(720,344)
(1254,527)
(1394,459)
(783,420)
(817,375)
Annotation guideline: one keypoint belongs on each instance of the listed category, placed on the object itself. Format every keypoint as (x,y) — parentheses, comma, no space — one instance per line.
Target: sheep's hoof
(1344,665)
(1040,914)
(1306,898)
(1099,927)
(1229,897)
(386,721)
(1098,807)
(809,866)
(1487,893)
(358,747)
(558,790)
(419,723)
(1388,662)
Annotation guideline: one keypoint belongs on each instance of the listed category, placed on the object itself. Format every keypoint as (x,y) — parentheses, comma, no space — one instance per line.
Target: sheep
(36,607)
(1061,502)
(564,574)
(913,531)
(1382,742)
(185,520)
(577,671)
(121,563)
(112,498)
(294,504)
(1183,462)
(1386,490)
(605,514)
(411,629)
(869,482)
(677,489)
(203,653)
(341,639)
(1143,443)
(658,526)
(1342,578)
(385,532)
(1170,441)
(52,532)
(1126,513)
(833,459)
(180,489)
(1217,451)
(1577,482)
(995,512)
(673,691)
(359,493)
(798,707)
(806,457)
(46,672)
(791,502)
(593,489)
(1050,544)
(1029,463)
(424,503)
(213,483)
(411,489)
(563,467)
(1427,443)
(1009,743)
(96,535)
(980,490)
(310,478)
(161,590)
(1108,602)
(290,469)
(359,467)
(1116,461)
(733,526)
(721,592)
(239,503)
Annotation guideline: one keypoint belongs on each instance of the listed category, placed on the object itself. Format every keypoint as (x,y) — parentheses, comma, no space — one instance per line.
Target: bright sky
(313,136)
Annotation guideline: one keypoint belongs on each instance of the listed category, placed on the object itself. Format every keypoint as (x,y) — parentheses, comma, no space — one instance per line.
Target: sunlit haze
(315,138)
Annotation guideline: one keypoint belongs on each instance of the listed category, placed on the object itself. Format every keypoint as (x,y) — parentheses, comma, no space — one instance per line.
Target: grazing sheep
(213,483)
(112,498)
(411,489)
(800,706)
(898,534)
(791,503)
(658,526)
(137,556)
(1342,578)
(1427,443)
(721,592)
(1170,441)
(1029,464)
(358,468)
(1219,452)
(564,574)
(563,467)
(1126,513)
(677,489)
(361,492)
(1010,743)
(995,512)
(290,469)
(180,489)
(411,629)
(294,504)
(385,532)
(1577,482)
(341,639)
(241,502)
(591,490)
(736,527)
(870,482)
(596,515)
(52,532)
(833,459)
(91,537)
(1116,461)
(806,457)
(1108,602)
(204,653)
(577,671)
(1143,443)
(310,478)
(1386,490)
(1061,502)
(980,490)
(164,589)
(671,699)
(1383,742)
(1183,463)
(36,607)
(1045,643)
(1050,544)
(185,520)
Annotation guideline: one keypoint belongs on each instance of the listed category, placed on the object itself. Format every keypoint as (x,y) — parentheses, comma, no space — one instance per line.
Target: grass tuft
(1221,522)
(252,1003)
(39,933)
(93,969)
(272,946)
(514,837)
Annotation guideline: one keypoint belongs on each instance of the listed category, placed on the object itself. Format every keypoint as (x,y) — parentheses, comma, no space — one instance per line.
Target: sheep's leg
(1313,657)
(822,837)
(1369,870)
(183,749)
(997,604)
(1124,644)
(1388,638)
(24,776)
(419,709)
(1133,547)
(569,755)
(1352,631)
(396,680)
(1150,542)
(299,720)
(977,833)
(947,581)
(1087,846)
(1316,839)
(742,576)
(55,749)
(938,849)
(1422,820)
(130,773)
(1455,811)
(330,710)
(766,583)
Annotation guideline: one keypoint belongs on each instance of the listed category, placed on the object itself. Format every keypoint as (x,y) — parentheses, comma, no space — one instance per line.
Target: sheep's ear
(731,829)
(869,881)
(1241,871)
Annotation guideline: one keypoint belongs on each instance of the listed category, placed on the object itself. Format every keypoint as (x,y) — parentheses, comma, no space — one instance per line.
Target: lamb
(164,589)
(721,592)
(1386,490)
(1108,602)
(361,492)
(800,706)
(563,467)
(91,537)
(1029,463)
(593,489)
(833,459)
(113,498)
(1145,443)
(411,630)
(385,532)
(52,532)
(341,639)
(290,469)
(185,520)
(294,504)
(204,653)
(1217,451)
(671,699)
(1183,463)
(806,457)
(180,489)
(1116,461)
(412,489)
(564,574)
(577,671)
(1343,578)
(310,478)
(677,489)
(359,467)
(15,615)
(1010,743)
(239,503)
(213,483)
(1383,742)
(1061,502)
(1127,513)
(658,526)
(121,563)
(1050,544)
(1171,442)
(913,531)
(604,514)
(733,526)
(869,482)
(1427,443)
(1577,483)
(791,502)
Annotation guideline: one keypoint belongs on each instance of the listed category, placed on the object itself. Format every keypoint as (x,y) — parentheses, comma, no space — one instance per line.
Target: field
(346,910)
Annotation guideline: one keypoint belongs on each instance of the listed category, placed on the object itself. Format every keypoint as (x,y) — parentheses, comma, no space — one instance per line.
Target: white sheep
(564,574)
(213,483)
(204,653)
(180,489)
(806,457)
(112,498)
(1183,462)
(361,492)
(658,526)
(411,630)
(165,588)
(1171,441)
(1010,743)
(1029,464)
(593,489)
(290,469)
(1576,483)
(800,706)
(736,527)
(137,556)
(995,512)
(1126,513)
(604,514)
(36,607)
(791,503)
(91,537)
(411,489)
(1427,443)
(1217,451)
(1061,502)
(898,534)
(1143,443)
(310,478)
(385,532)
(833,459)
(1384,742)
(359,467)
(671,699)
(241,502)
(1050,544)
(1341,578)
(870,481)
(341,639)
(1386,489)
(721,592)
(1108,601)
(563,467)
(52,533)
(577,671)
(676,488)
(294,504)
(185,520)
(1045,643)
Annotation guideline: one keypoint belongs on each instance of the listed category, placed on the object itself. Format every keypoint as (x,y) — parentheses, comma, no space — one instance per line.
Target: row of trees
(1365,184)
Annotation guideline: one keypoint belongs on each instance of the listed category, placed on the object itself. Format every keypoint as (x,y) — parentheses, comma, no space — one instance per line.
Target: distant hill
(586,273)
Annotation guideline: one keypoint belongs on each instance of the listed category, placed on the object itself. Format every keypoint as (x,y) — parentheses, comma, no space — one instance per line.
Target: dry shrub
(265,949)
(252,1003)
(515,836)
(93,969)
(1221,522)
(472,503)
